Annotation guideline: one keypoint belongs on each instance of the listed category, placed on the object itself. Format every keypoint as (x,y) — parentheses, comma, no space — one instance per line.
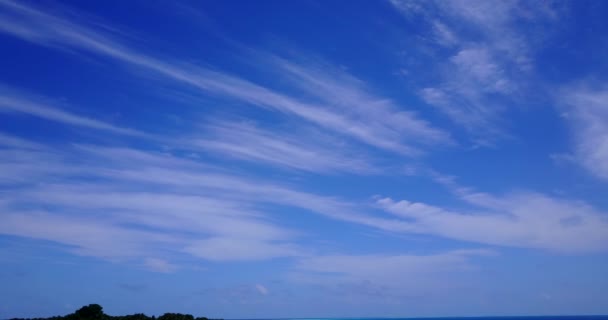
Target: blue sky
(245,159)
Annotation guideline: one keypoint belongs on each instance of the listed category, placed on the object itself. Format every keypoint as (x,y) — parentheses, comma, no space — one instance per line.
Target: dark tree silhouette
(90,312)
(95,312)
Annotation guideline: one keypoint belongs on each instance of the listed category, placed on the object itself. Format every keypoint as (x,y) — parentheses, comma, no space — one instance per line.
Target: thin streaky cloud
(152,221)
(519,219)
(15,102)
(353,97)
(320,153)
(139,188)
(46,29)
(526,220)
(488,59)
(585,109)
(7,140)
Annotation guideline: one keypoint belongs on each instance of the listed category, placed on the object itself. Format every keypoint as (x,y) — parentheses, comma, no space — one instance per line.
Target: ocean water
(597,317)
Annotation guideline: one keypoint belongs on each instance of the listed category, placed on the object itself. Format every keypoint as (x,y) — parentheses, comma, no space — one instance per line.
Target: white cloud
(261,289)
(468,115)
(586,110)
(232,187)
(197,209)
(7,140)
(409,7)
(169,210)
(488,48)
(114,220)
(35,26)
(83,235)
(498,22)
(308,151)
(378,119)
(466,87)
(184,206)
(159,265)
(477,66)
(526,220)
(12,101)
(444,35)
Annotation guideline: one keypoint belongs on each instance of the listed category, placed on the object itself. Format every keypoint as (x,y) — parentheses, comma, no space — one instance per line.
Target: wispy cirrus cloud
(14,101)
(393,126)
(488,58)
(523,219)
(82,235)
(154,199)
(262,289)
(35,26)
(155,202)
(158,201)
(12,141)
(585,109)
(115,220)
(310,151)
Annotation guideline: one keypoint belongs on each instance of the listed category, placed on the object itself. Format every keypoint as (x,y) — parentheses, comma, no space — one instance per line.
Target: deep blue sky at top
(244,159)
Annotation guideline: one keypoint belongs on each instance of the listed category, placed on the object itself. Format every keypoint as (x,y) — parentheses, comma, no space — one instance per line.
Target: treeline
(95,312)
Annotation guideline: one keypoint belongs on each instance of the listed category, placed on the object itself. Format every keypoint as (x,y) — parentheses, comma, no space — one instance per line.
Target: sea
(569,317)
